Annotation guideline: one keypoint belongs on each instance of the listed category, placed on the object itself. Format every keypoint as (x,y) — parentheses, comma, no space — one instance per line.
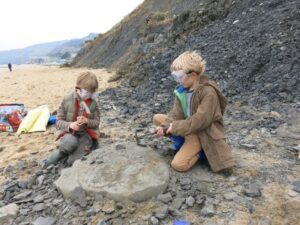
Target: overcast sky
(28,22)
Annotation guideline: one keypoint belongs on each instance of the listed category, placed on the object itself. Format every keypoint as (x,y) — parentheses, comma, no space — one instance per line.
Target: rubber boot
(54,157)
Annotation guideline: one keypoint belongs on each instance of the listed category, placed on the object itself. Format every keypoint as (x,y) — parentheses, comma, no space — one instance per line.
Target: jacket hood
(204,81)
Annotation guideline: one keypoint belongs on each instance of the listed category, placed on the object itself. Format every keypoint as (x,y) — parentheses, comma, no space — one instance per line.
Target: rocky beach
(263,189)
(252,52)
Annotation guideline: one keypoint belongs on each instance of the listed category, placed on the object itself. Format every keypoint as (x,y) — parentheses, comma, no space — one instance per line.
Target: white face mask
(84,94)
(179,75)
(94,96)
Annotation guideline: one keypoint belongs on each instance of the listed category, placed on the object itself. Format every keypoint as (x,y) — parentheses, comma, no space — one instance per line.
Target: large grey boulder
(131,173)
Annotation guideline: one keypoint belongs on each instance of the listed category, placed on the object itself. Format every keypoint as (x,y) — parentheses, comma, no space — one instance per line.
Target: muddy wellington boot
(54,157)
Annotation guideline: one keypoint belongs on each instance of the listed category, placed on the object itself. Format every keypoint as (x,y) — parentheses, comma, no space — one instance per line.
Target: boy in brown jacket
(78,119)
(197,116)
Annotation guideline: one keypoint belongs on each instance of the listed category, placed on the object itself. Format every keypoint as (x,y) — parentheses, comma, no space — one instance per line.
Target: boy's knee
(180,166)
(68,144)
(158,119)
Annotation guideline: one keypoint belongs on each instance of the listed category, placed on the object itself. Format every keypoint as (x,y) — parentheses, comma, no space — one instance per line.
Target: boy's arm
(94,123)
(201,119)
(176,113)
(61,123)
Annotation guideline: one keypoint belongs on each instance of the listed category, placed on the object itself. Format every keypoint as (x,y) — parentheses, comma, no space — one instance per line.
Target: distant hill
(71,47)
(20,56)
(51,49)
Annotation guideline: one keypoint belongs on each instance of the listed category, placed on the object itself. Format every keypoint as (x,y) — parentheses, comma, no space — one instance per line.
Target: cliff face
(119,43)
(251,46)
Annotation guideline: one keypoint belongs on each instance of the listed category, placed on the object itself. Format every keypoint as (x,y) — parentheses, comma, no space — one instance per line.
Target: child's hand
(159,131)
(74,126)
(82,120)
(169,131)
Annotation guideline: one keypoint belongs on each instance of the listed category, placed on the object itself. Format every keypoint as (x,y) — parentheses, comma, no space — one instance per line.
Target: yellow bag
(35,121)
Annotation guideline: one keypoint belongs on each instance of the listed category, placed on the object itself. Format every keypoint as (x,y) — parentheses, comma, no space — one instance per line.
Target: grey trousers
(75,146)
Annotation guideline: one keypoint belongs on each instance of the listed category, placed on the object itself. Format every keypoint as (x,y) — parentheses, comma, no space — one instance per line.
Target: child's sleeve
(176,113)
(61,123)
(202,119)
(94,123)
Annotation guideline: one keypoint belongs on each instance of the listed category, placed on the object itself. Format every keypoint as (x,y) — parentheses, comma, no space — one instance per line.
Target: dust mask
(84,94)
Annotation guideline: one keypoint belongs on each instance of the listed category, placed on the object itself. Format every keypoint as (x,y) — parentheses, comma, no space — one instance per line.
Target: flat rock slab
(44,221)
(8,212)
(132,173)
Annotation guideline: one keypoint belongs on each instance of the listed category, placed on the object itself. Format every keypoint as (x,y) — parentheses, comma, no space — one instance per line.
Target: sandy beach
(34,86)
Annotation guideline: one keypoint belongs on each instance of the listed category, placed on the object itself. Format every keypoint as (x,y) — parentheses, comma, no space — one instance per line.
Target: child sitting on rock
(78,119)
(195,122)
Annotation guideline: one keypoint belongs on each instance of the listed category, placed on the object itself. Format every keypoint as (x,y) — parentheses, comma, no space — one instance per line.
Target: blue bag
(180,222)
(52,120)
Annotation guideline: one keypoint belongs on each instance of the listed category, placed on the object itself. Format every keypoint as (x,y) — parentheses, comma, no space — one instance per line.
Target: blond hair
(189,62)
(88,81)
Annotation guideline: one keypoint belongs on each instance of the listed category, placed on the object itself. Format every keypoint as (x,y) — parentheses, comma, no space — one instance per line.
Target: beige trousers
(187,155)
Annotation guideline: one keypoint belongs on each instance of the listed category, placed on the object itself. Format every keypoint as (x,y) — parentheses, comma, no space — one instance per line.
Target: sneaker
(54,157)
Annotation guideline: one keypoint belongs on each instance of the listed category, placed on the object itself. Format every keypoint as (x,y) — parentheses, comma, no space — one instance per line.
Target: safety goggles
(179,75)
(83,91)
(86,94)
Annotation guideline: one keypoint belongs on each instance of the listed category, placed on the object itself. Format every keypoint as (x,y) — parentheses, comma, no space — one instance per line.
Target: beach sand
(34,86)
